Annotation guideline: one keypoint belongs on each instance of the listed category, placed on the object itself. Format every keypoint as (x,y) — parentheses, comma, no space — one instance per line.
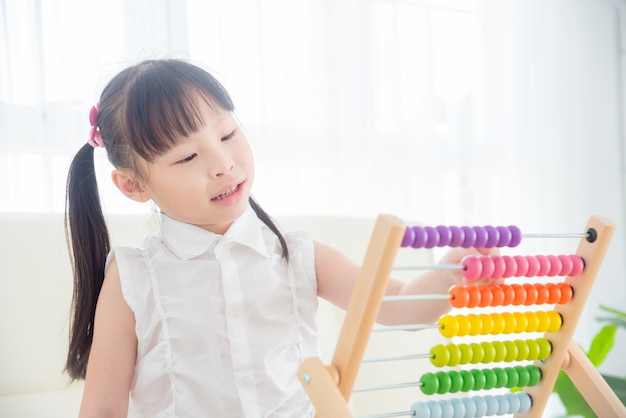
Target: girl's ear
(129,186)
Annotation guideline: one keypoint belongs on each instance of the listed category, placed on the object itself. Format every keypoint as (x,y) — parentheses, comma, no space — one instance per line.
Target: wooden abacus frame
(329,387)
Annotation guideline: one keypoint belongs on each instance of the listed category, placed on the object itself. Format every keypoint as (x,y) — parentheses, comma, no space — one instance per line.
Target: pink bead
(556,265)
(579,265)
(488,267)
(472,267)
(499,267)
(522,265)
(544,265)
(533,266)
(567,265)
(510,266)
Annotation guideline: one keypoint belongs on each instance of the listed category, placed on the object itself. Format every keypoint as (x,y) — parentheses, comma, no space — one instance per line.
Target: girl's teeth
(227,192)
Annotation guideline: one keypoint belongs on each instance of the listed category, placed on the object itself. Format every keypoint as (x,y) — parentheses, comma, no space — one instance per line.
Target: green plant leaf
(613,311)
(618,385)
(601,344)
(612,320)
(573,402)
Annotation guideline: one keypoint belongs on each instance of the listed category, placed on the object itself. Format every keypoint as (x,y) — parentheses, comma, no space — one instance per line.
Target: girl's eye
(188,158)
(229,136)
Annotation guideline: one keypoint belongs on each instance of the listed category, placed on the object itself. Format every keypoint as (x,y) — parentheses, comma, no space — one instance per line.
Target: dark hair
(142,111)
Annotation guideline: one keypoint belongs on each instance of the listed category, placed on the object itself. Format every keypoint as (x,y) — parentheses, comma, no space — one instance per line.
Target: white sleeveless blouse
(222,322)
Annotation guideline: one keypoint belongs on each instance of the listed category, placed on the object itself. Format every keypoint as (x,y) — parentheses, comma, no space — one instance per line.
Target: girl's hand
(455,256)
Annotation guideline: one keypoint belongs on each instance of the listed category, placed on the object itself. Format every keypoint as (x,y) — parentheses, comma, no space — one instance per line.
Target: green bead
(511,351)
(512,376)
(522,350)
(533,349)
(524,376)
(430,383)
(444,382)
(455,354)
(456,381)
(440,355)
(489,352)
(466,353)
(545,348)
(501,377)
(500,350)
(477,353)
(490,379)
(535,375)
(468,380)
(479,379)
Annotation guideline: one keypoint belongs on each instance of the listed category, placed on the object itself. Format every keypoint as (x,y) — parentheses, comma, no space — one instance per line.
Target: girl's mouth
(227,193)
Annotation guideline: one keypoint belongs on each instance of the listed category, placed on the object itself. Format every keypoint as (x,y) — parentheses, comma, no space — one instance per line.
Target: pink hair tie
(95,139)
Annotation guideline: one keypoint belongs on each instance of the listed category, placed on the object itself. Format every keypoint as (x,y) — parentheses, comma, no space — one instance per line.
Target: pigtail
(88,245)
(267,220)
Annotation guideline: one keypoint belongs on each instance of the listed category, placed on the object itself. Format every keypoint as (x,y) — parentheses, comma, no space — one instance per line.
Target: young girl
(213,316)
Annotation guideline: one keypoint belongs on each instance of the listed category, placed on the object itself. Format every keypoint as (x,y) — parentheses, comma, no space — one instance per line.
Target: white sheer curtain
(442,111)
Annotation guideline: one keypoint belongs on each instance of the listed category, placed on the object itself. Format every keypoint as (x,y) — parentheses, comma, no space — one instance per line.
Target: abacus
(329,386)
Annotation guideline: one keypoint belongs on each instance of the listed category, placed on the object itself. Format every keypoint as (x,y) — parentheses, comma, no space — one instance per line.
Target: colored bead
(499,266)
(520,294)
(475,324)
(544,265)
(543,321)
(489,352)
(531,294)
(432,237)
(486,296)
(556,321)
(468,380)
(419,237)
(420,409)
(567,292)
(533,349)
(440,355)
(509,294)
(555,293)
(533,266)
(472,267)
(474,296)
(516,236)
(481,406)
(487,323)
(490,379)
(470,407)
(532,322)
(498,323)
(445,235)
(522,350)
(534,374)
(435,409)
(463,325)
(510,266)
(481,236)
(429,383)
(542,294)
(456,381)
(447,410)
(545,348)
(492,405)
(449,326)
(556,266)
(445,382)
(567,265)
(493,236)
(505,236)
(511,351)
(477,353)
(525,402)
(459,408)
(455,355)
(523,376)
(521,322)
(500,350)
(409,237)
(459,296)
(479,379)
(457,236)
(579,266)
(470,237)
(497,295)
(522,265)
(488,267)
(503,405)
(512,376)
(466,353)
(501,377)
(509,322)
(514,402)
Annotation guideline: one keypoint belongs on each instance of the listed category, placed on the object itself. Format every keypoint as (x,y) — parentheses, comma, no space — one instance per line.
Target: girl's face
(205,179)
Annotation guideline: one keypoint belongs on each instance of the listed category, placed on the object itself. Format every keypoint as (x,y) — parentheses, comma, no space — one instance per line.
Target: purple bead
(409,236)
(481,237)
(494,236)
(457,236)
(505,236)
(445,235)
(433,237)
(516,236)
(420,237)
(470,237)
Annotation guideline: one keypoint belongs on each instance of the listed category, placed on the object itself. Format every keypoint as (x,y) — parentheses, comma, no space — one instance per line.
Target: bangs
(164,104)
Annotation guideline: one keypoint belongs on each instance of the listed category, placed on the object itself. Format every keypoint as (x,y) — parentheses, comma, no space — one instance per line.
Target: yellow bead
(521,323)
(544,321)
(440,355)
(464,325)
(555,321)
(475,323)
(532,321)
(509,322)
(488,324)
(478,353)
(511,351)
(449,326)
(498,324)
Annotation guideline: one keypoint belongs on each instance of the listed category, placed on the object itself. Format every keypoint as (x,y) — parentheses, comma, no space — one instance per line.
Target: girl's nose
(221,165)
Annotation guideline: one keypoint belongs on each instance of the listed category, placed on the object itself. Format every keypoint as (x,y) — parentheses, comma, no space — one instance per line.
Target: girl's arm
(337,274)
(113,353)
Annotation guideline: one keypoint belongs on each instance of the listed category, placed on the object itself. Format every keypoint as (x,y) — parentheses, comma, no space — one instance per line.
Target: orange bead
(459,296)
(509,294)
(497,295)
(567,293)
(486,296)
(531,294)
(555,293)
(520,294)
(543,294)
(474,296)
